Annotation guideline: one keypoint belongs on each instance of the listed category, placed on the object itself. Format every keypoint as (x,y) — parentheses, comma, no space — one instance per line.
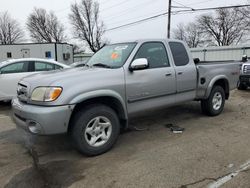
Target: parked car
(120,81)
(12,71)
(79,64)
(244,82)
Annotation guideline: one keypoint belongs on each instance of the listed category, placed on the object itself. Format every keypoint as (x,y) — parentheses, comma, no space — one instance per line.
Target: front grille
(245,78)
(22,92)
(246,69)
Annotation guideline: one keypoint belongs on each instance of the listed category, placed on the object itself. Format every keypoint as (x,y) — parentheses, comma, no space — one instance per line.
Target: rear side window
(40,66)
(155,53)
(15,68)
(58,67)
(179,53)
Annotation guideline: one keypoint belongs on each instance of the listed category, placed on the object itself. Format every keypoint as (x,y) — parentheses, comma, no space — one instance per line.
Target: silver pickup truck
(92,104)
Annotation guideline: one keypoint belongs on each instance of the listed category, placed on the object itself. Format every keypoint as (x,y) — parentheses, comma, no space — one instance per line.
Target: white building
(221,53)
(82,57)
(61,52)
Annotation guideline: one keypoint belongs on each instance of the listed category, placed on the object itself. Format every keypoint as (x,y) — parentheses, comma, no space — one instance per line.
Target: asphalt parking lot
(210,151)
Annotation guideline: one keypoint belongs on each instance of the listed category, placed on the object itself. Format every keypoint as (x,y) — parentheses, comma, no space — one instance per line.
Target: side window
(58,67)
(155,53)
(50,67)
(15,68)
(179,53)
(40,66)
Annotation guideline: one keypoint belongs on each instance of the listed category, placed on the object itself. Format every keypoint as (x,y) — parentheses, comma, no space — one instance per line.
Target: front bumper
(245,79)
(41,120)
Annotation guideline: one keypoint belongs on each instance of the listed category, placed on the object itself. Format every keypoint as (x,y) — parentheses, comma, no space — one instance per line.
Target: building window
(9,55)
(48,54)
(66,56)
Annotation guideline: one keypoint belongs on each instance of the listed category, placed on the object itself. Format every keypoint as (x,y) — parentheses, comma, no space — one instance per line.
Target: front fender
(100,93)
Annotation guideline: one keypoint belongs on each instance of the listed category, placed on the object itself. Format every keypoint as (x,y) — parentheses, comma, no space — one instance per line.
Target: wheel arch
(105,97)
(219,81)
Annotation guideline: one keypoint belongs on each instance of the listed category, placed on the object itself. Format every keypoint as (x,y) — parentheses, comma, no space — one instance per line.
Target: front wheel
(95,129)
(214,105)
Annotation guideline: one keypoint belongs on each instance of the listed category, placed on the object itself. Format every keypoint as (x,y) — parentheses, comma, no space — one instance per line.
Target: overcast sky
(118,12)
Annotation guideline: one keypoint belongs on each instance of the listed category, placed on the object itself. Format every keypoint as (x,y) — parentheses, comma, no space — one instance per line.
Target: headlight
(46,94)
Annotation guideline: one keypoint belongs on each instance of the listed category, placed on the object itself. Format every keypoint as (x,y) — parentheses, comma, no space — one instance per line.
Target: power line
(175,12)
(212,8)
(200,2)
(115,5)
(125,12)
(139,21)
(131,9)
(184,6)
(140,16)
(107,8)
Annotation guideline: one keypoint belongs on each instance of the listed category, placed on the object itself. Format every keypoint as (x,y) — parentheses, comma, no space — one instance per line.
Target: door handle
(168,74)
(180,73)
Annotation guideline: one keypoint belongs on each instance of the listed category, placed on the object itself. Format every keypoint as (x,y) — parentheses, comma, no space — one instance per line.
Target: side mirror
(139,64)
(196,60)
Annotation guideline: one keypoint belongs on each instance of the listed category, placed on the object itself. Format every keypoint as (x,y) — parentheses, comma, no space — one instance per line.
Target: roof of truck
(146,40)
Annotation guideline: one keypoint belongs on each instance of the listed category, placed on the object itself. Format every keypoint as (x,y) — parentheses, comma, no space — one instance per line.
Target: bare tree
(45,27)
(189,33)
(10,30)
(180,32)
(77,49)
(226,27)
(86,24)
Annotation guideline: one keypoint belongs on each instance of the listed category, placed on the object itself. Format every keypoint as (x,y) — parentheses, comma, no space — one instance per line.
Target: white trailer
(61,52)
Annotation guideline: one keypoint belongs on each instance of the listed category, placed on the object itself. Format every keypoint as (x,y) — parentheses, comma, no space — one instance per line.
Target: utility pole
(169,16)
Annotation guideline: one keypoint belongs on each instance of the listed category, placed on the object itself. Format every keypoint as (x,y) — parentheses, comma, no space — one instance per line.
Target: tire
(242,86)
(91,133)
(215,108)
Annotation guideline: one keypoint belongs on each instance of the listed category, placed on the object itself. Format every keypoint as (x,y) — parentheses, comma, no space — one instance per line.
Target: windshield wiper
(102,65)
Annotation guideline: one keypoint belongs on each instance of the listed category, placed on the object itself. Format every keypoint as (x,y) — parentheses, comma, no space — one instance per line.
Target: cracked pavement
(209,148)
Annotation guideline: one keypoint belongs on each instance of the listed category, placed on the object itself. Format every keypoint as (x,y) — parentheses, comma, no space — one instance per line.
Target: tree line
(223,27)
(44,26)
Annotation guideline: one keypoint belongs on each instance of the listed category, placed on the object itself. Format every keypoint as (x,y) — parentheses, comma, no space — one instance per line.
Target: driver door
(154,86)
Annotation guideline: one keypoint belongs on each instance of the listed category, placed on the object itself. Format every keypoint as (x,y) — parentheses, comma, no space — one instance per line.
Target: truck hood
(75,82)
(48,78)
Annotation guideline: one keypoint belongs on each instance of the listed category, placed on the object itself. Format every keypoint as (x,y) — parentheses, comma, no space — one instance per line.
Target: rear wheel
(214,105)
(95,129)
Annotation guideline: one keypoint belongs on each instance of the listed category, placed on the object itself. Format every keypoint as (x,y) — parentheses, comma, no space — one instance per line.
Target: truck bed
(211,70)
(217,62)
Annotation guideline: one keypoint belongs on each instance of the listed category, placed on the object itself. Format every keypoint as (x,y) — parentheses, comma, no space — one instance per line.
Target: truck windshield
(112,56)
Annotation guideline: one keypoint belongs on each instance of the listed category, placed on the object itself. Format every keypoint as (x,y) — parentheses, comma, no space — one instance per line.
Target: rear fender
(212,83)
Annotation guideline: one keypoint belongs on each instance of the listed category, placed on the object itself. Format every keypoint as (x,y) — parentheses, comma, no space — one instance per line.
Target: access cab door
(186,73)
(154,86)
